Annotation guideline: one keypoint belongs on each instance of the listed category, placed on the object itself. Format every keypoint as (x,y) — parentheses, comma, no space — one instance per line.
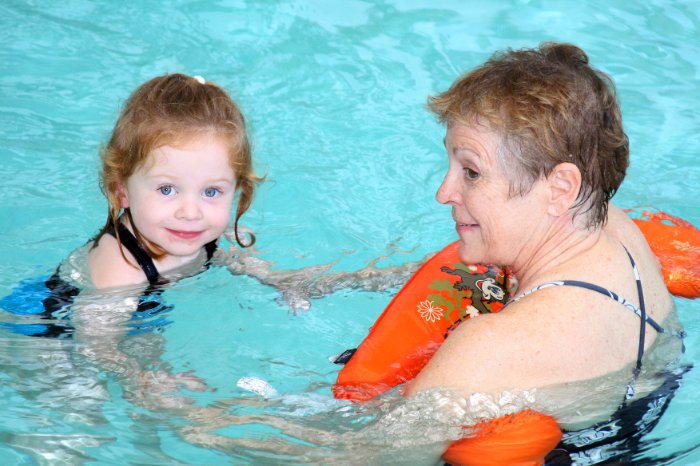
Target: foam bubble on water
(258,386)
(311,404)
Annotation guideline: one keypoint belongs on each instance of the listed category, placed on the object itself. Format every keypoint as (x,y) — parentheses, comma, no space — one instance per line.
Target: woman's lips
(185,234)
(466,227)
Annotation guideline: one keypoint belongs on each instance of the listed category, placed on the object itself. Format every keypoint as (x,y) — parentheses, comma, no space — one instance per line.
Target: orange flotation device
(443,293)
(677,245)
(521,439)
(415,324)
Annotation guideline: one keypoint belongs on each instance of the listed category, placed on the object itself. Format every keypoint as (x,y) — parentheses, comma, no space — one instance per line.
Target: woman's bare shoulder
(108,269)
(625,231)
(520,347)
(555,335)
(621,227)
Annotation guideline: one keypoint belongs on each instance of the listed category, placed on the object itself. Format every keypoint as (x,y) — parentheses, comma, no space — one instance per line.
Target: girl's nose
(189,209)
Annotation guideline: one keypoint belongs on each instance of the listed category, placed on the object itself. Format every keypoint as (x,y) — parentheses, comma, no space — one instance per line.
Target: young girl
(177,160)
(178,154)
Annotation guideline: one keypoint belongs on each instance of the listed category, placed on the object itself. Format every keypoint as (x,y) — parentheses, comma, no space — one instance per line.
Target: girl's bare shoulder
(109,269)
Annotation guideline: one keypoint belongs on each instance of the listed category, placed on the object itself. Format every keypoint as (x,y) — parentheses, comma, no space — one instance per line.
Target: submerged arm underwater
(102,337)
(297,287)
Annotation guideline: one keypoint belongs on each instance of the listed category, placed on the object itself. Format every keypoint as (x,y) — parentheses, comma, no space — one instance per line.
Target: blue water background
(334,93)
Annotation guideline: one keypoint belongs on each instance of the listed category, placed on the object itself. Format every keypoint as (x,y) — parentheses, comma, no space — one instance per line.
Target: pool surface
(334,93)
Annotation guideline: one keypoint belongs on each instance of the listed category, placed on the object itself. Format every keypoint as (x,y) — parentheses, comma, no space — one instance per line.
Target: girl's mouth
(185,234)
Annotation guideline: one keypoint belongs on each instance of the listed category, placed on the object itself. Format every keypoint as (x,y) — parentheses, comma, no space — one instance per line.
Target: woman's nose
(446,193)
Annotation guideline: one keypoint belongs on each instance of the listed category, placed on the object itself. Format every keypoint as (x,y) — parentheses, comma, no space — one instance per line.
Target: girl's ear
(564,185)
(122,196)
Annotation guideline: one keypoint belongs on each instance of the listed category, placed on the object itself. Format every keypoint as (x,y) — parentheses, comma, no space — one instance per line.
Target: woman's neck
(563,244)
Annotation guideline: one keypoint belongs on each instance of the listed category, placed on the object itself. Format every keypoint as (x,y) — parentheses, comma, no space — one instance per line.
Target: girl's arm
(299,286)
(101,325)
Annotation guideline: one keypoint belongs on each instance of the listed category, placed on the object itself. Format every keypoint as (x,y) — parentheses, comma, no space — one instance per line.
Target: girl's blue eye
(470,174)
(167,190)
(212,192)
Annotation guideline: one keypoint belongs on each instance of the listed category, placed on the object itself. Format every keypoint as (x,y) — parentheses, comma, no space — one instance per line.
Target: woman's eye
(212,192)
(167,190)
(470,174)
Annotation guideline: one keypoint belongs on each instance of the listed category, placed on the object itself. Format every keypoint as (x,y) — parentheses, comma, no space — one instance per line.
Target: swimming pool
(334,93)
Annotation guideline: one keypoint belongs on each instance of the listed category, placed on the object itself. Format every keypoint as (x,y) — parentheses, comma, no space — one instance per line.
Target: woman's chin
(471,255)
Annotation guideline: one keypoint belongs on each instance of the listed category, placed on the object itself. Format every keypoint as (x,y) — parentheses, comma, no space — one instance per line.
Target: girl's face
(180,199)
(492,226)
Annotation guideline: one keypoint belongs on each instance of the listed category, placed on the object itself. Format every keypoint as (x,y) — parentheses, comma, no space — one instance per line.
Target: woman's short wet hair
(171,110)
(548,106)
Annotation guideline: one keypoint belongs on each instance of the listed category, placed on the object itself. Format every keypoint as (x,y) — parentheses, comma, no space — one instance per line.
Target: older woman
(536,150)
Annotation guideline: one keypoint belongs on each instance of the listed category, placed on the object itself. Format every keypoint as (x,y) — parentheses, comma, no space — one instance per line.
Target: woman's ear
(564,186)
(122,196)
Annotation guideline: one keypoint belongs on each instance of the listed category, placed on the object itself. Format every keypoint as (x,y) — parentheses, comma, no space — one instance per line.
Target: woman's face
(492,226)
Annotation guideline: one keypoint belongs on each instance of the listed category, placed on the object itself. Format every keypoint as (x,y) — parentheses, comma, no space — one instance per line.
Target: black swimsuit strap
(129,241)
(145,261)
(641,310)
(643,316)
(210,248)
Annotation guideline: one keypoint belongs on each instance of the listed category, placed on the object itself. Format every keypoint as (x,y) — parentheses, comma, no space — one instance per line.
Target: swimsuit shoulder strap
(129,241)
(640,311)
(210,248)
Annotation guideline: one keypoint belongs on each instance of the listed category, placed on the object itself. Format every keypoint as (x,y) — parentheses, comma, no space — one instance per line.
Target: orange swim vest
(443,293)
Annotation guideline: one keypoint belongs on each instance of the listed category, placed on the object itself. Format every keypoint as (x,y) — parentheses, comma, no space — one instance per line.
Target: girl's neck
(167,262)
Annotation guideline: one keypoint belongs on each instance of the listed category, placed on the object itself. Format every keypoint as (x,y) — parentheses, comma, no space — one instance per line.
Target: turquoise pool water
(334,93)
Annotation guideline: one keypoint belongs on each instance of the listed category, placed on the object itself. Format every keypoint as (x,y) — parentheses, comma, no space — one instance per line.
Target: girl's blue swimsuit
(61,293)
